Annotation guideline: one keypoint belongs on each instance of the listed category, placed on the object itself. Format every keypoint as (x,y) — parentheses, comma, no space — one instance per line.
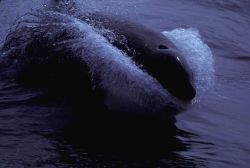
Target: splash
(110,68)
(199,57)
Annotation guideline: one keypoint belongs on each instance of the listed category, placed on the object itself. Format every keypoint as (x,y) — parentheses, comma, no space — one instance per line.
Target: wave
(239,58)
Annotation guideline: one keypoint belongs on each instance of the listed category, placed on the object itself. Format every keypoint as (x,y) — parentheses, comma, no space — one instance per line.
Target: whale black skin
(151,49)
(147,47)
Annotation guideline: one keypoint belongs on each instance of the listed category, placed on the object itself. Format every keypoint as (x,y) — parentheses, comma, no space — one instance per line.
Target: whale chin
(173,74)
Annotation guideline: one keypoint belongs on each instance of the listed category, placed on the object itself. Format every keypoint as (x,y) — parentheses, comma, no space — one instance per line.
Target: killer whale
(47,52)
(152,50)
(149,48)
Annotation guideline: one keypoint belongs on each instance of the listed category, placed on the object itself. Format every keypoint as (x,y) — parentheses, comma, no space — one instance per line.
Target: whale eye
(162,47)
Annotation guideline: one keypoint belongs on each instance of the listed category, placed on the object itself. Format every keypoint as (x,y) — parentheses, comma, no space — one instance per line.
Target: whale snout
(173,74)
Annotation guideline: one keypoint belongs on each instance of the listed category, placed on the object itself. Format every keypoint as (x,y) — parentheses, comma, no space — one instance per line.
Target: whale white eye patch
(162,47)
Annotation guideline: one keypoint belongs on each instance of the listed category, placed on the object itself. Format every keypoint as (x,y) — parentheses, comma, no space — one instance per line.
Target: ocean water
(63,129)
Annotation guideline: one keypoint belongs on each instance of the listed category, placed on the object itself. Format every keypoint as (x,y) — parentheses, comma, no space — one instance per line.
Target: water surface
(45,131)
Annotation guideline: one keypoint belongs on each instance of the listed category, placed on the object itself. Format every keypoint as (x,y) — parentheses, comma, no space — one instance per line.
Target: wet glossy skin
(158,56)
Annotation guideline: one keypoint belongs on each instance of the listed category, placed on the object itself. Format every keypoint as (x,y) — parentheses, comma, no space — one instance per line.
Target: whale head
(169,67)
(161,59)
(171,70)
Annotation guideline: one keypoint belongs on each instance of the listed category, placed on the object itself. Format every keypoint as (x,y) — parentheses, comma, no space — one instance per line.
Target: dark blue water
(62,129)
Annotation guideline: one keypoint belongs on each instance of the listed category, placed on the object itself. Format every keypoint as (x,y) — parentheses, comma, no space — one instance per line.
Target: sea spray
(198,56)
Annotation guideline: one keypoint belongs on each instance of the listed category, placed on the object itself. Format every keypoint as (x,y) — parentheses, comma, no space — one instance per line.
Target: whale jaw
(173,74)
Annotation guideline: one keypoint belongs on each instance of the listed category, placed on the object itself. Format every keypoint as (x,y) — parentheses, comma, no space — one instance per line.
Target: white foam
(199,57)
(114,71)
